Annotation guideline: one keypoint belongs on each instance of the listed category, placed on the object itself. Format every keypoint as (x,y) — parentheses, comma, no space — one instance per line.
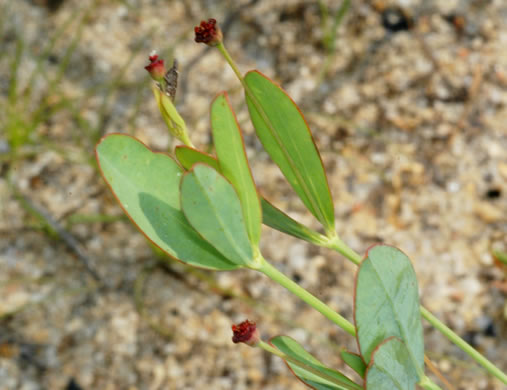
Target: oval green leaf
(391,367)
(271,215)
(212,207)
(286,137)
(387,303)
(234,166)
(146,185)
(354,361)
(293,349)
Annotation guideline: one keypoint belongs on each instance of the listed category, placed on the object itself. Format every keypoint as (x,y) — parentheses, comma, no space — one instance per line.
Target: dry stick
(139,287)
(75,209)
(473,92)
(437,373)
(64,235)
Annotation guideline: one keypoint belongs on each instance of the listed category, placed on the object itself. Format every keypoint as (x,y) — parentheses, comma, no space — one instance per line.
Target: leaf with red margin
(146,184)
(391,368)
(354,361)
(213,208)
(234,166)
(386,303)
(293,349)
(271,215)
(285,135)
(277,219)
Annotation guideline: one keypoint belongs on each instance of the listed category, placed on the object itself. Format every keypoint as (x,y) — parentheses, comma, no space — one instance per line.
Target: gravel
(411,126)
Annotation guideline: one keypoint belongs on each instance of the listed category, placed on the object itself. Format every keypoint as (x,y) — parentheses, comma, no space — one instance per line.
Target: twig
(437,373)
(473,92)
(139,285)
(58,230)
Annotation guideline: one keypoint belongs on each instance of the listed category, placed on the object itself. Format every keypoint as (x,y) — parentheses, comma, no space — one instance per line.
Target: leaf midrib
(242,161)
(397,318)
(246,259)
(316,204)
(180,220)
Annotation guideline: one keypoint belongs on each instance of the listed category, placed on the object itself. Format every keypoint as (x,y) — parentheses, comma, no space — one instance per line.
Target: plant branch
(463,345)
(317,209)
(437,373)
(428,384)
(340,247)
(270,271)
(336,244)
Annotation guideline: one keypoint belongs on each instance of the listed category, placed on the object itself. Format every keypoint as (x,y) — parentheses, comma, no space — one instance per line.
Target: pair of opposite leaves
(134,174)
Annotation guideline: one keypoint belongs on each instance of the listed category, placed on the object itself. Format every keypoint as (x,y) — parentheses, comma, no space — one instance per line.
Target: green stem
(232,64)
(339,246)
(289,359)
(467,348)
(186,140)
(336,244)
(270,271)
(428,384)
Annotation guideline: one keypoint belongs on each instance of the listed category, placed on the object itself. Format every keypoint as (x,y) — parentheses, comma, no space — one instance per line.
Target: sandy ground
(411,122)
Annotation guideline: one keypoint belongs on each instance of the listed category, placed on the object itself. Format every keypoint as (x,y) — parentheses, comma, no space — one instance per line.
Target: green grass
(27,110)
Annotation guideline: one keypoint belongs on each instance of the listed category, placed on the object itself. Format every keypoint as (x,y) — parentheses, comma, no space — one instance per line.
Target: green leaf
(354,361)
(212,207)
(294,350)
(387,303)
(271,215)
(391,367)
(188,156)
(286,137)
(147,186)
(231,155)
(277,219)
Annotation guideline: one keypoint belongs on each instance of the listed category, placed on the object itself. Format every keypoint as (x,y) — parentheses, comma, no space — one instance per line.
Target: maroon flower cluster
(246,332)
(156,68)
(208,33)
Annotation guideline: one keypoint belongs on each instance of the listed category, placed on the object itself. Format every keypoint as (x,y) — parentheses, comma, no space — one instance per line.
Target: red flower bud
(246,332)
(156,68)
(208,33)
